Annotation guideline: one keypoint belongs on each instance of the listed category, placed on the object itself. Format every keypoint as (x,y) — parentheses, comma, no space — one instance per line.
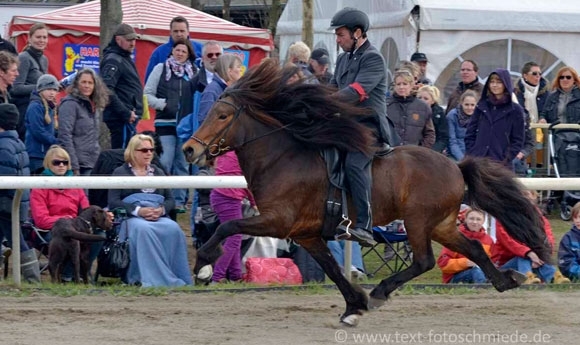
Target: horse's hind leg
(355,297)
(453,239)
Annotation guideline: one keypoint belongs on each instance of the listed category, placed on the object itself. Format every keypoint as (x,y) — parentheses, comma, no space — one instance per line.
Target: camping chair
(394,238)
(38,239)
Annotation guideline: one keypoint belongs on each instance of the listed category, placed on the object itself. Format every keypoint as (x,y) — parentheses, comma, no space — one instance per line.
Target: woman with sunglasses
(78,123)
(563,104)
(157,244)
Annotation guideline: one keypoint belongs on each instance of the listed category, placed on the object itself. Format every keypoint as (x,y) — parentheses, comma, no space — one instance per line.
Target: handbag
(113,260)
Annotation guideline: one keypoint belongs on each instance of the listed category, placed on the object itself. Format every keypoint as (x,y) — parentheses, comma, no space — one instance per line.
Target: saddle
(336,210)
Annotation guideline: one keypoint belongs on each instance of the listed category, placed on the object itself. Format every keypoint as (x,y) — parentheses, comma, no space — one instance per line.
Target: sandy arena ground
(285,317)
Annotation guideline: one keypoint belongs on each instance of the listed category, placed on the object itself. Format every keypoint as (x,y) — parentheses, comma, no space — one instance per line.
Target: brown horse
(277,132)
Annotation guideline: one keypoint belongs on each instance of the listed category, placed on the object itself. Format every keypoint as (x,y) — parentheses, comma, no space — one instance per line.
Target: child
(457,268)
(41,120)
(569,251)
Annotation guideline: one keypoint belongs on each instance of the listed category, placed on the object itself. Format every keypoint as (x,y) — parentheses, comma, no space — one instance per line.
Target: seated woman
(455,267)
(157,243)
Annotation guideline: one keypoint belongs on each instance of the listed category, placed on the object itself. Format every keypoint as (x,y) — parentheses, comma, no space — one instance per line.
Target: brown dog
(66,234)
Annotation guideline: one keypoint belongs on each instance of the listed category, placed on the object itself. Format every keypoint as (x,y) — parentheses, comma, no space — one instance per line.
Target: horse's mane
(315,117)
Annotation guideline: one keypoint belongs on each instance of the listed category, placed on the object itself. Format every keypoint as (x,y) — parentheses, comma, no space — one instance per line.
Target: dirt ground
(288,317)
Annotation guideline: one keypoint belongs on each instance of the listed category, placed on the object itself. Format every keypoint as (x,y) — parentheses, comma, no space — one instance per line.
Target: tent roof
(151,21)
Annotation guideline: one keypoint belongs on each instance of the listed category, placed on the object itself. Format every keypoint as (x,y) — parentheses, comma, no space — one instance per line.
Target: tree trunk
(273,16)
(307,23)
(226,10)
(111,17)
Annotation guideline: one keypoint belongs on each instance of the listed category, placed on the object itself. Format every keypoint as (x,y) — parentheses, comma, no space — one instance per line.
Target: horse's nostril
(188,150)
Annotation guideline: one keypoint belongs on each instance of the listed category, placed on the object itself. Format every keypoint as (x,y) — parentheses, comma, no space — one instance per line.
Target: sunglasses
(144,150)
(536,73)
(562,77)
(57,162)
(211,55)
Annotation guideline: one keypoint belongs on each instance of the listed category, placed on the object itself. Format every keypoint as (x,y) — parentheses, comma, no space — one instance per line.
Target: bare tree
(111,17)
(226,10)
(196,4)
(307,23)
(273,16)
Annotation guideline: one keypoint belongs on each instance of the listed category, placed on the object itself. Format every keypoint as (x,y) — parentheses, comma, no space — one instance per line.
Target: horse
(277,132)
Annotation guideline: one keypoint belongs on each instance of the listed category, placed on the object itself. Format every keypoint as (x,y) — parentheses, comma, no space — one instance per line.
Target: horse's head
(214,136)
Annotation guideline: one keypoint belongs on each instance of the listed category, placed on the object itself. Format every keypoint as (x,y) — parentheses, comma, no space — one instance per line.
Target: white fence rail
(199,182)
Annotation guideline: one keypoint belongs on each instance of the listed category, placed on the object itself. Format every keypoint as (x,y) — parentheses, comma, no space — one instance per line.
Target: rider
(360,77)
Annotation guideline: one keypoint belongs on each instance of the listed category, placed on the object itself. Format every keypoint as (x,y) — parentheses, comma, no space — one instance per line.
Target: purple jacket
(496,129)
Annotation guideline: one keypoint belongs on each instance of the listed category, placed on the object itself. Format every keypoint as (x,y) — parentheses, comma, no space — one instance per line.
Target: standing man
(179,29)
(421,60)
(361,79)
(120,75)
(318,65)
(469,81)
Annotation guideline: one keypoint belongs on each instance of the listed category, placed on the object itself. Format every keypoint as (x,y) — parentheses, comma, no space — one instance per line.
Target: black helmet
(350,18)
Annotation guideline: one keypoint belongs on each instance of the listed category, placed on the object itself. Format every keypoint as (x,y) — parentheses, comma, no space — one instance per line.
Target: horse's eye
(222,117)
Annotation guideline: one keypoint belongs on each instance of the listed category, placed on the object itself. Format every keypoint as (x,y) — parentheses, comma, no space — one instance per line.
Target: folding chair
(38,239)
(394,238)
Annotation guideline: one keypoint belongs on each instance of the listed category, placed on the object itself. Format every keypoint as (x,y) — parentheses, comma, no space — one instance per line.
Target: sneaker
(560,279)
(532,279)
(357,275)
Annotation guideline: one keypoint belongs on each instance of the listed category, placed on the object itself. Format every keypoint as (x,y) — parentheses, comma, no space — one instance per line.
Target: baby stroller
(565,154)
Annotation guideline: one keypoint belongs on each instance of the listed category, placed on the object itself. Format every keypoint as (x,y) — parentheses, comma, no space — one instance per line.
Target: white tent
(495,33)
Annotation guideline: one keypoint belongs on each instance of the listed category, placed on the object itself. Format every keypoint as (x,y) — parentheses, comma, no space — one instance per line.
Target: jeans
(6,234)
(36,165)
(337,250)
(473,275)
(173,161)
(524,265)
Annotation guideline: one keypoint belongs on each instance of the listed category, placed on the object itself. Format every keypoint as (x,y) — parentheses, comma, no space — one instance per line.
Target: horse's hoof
(375,303)
(205,273)
(351,320)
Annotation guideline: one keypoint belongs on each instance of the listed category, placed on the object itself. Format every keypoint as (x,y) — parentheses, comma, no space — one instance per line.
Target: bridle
(213,149)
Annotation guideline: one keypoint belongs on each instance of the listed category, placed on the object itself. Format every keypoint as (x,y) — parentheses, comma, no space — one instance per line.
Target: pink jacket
(49,205)
(228,164)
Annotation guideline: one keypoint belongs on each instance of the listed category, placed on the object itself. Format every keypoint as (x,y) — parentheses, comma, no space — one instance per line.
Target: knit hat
(47,82)
(8,116)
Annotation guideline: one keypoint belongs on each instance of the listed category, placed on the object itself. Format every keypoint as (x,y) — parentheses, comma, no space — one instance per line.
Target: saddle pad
(264,271)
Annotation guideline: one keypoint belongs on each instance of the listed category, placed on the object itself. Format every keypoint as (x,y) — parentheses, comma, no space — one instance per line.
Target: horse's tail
(493,189)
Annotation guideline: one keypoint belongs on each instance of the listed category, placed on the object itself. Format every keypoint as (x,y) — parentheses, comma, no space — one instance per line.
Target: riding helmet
(351,18)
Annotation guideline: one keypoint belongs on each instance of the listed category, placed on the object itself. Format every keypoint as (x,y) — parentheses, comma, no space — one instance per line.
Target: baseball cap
(321,56)
(126,31)
(419,57)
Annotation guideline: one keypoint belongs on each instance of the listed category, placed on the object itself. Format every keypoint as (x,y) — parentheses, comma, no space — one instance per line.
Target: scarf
(36,55)
(462,117)
(48,172)
(530,94)
(179,69)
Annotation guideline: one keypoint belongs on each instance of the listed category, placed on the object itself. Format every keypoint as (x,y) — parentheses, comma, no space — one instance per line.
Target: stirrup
(342,230)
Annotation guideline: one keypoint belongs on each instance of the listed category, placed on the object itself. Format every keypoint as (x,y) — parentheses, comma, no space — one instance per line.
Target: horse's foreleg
(355,297)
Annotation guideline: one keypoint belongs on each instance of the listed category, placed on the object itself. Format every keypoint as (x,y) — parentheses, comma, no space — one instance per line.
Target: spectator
(569,251)
(41,120)
(291,74)
(299,54)
(361,79)
(563,103)
(79,124)
(14,162)
(179,30)
(430,95)
(120,75)
(157,244)
(227,204)
(318,65)
(412,117)
(33,64)
(211,51)
(456,268)
(49,205)
(457,120)
(169,90)
(8,74)
(227,71)
(357,269)
(7,46)
(469,81)
(496,129)
(421,60)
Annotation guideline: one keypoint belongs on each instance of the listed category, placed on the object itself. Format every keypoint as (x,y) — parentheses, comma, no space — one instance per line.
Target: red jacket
(451,262)
(49,205)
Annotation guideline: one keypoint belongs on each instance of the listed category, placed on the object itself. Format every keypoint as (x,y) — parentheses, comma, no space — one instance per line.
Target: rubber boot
(29,266)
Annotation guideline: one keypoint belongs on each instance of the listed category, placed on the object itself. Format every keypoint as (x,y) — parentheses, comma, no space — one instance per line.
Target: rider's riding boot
(358,173)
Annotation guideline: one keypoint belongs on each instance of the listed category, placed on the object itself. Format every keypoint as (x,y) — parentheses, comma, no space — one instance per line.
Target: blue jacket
(569,254)
(39,134)
(496,129)
(161,53)
(456,135)
(211,93)
(13,162)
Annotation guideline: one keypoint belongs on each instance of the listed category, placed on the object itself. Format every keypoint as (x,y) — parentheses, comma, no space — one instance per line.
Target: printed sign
(79,56)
